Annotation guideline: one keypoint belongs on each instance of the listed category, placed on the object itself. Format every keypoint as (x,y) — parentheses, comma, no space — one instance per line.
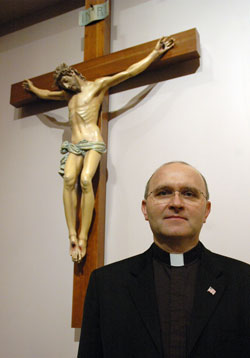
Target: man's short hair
(65,70)
(174,162)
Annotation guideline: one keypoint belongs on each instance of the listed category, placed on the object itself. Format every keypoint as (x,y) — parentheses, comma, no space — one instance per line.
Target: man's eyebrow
(190,188)
(169,186)
(164,186)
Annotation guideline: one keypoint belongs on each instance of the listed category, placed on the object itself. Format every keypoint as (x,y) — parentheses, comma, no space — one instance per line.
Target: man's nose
(176,200)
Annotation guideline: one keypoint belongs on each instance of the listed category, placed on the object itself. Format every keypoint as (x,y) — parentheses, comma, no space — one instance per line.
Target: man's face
(178,217)
(70,83)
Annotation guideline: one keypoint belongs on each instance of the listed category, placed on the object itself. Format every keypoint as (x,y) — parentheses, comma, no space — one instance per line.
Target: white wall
(203,118)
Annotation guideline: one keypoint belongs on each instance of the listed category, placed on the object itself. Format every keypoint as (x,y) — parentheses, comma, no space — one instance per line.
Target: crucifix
(183,59)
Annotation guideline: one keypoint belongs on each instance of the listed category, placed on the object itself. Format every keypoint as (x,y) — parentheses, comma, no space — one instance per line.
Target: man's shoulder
(130,264)
(229,264)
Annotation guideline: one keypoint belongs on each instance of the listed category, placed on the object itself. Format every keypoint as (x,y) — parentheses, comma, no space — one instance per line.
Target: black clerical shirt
(175,286)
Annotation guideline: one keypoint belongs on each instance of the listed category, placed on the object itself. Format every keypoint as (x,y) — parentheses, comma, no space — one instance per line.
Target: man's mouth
(175,217)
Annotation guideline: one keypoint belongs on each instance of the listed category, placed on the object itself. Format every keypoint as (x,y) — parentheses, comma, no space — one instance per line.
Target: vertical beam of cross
(182,60)
(96,44)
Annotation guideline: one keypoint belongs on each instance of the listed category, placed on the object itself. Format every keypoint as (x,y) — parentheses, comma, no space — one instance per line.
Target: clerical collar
(177,259)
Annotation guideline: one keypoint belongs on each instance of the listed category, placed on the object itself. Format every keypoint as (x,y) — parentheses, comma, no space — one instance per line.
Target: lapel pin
(211,290)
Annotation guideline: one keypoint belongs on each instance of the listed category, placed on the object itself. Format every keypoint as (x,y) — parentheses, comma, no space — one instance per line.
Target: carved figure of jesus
(83,154)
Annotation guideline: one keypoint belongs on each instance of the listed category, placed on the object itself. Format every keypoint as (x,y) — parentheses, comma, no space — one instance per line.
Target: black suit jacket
(121,315)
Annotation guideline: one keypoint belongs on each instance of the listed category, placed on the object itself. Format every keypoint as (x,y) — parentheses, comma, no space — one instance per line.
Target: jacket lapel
(142,291)
(209,290)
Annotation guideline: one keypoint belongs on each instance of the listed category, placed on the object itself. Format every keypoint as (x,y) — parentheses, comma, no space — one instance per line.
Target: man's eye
(164,192)
(188,194)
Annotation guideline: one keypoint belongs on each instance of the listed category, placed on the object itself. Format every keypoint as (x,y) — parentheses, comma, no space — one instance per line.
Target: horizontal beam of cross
(182,59)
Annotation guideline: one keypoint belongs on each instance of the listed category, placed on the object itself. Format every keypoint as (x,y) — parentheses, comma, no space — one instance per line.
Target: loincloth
(81,148)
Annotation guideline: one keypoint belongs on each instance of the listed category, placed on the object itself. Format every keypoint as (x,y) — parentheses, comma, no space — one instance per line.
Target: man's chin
(174,235)
(177,230)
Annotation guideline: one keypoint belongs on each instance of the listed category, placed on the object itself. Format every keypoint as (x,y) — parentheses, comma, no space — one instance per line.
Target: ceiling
(17,14)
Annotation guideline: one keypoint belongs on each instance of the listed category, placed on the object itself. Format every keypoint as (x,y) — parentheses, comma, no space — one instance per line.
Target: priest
(177,299)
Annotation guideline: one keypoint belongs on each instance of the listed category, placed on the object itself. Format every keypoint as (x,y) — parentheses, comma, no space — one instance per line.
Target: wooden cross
(181,60)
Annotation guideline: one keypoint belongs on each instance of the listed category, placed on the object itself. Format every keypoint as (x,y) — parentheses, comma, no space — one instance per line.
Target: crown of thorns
(65,70)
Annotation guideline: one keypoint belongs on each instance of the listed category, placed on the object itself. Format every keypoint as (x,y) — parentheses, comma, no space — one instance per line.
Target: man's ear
(144,209)
(208,209)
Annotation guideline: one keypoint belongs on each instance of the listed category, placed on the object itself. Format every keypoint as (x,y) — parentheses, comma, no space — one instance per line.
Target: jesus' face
(70,83)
